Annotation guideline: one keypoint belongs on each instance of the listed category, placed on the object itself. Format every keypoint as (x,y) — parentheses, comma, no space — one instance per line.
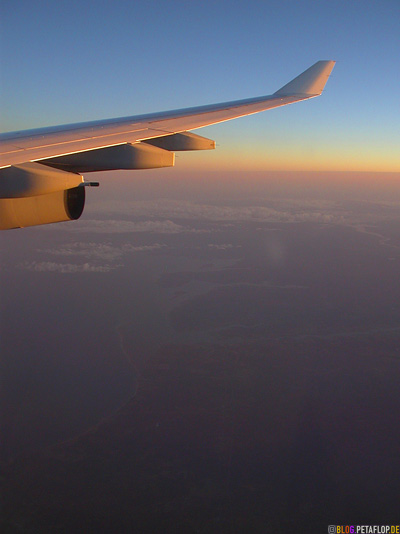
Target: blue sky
(71,61)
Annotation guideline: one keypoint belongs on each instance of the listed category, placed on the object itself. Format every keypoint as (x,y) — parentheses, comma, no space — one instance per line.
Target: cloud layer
(94,257)
(123,226)
(67,268)
(275,211)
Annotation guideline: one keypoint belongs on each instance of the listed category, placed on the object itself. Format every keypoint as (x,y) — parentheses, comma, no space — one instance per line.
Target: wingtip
(311,82)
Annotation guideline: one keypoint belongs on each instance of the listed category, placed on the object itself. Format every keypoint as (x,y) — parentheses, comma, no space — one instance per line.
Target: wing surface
(40,144)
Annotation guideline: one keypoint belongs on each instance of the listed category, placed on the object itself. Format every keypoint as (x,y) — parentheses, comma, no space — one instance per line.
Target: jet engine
(59,206)
(51,190)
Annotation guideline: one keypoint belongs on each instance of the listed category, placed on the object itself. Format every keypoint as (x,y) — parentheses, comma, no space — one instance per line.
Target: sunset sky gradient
(214,347)
(75,61)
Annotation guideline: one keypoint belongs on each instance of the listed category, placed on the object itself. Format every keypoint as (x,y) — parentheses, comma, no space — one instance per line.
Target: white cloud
(263,208)
(142,248)
(116,226)
(222,246)
(94,254)
(282,210)
(66,268)
(100,251)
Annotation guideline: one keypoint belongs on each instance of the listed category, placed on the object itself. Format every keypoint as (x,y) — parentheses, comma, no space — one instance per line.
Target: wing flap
(127,156)
(182,142)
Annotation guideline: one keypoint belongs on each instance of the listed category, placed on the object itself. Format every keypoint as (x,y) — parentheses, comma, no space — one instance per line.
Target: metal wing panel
(52,147)
(199,120)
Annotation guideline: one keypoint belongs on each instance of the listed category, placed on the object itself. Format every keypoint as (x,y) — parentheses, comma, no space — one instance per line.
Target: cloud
(100,251)
(142,248)
(223,246)
(66,268)
(282,210)
(122,226)
(94,254)
(263,208)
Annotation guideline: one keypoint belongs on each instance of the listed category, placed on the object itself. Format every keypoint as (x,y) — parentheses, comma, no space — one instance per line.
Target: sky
(300,266)
(70,61)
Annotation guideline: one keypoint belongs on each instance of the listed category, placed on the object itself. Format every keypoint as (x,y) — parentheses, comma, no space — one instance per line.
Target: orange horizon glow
(348,159)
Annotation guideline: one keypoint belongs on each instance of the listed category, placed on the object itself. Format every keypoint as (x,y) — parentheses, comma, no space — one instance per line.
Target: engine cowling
(47,208)
(31,179)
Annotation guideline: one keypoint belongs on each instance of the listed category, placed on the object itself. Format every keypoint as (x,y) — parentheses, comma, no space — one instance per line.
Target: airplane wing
(47,161)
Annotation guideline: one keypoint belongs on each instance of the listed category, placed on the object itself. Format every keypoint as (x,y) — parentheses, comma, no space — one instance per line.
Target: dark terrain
(231,377)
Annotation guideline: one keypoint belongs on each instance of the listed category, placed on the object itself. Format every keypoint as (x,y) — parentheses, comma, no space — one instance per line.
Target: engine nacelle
(31,179)
(42,209)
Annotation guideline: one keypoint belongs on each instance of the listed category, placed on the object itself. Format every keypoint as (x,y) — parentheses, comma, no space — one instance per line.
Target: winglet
(311,82)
